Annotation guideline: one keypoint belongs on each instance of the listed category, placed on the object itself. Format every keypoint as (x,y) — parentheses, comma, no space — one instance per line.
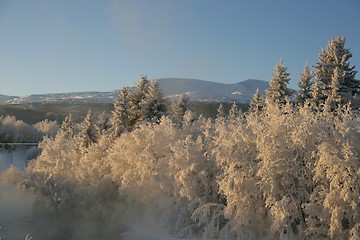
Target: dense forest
(288,168)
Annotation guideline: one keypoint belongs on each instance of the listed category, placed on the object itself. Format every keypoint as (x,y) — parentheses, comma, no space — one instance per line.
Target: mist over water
(24,213)
(16,211)
(20,216)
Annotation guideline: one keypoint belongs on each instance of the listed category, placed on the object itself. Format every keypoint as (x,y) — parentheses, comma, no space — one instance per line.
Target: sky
(50,46)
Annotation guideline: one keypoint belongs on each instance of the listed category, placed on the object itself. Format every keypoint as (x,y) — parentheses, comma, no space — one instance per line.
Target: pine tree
(305,85)
(102,124)
(66,128)
(121,120)
(316,91)
(136,97)
(278,89)
(153,104)
(178,109)
(336,56)
(233,112)
(143,103)
(334,97)
(257,102)
(87,133)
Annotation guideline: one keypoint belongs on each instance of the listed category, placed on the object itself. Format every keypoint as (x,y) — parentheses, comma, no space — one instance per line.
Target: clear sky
(50,46)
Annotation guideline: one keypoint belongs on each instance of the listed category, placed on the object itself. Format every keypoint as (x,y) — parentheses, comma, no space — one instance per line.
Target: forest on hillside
(288,168)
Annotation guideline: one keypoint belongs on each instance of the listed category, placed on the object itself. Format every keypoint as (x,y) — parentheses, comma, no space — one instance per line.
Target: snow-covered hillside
(199,90)
(212,91)
(98,97)
(5,98)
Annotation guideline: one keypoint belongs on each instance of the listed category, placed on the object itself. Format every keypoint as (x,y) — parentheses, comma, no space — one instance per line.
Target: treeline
(17,131)
(33,113)
(284,169)
(329,85)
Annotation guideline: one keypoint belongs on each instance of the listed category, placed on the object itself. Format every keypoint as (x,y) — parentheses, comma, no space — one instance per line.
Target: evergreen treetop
(336,58)
(306,83)
(278,85)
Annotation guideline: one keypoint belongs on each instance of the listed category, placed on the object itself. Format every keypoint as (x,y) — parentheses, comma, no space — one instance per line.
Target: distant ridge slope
(5,98)
(198,90)
(90,97)
(201,90)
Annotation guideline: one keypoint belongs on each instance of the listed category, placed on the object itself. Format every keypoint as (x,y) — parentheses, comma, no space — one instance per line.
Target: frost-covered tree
(66,128)
(121,119)
(292,173)
(306,84)
(49,128)
(136,97)
(316,92)
(144,103)
(234,112)
(278,90)
(336,56)
(102,124)
(87,133)
(220,116)
(257,102)
(334,97)
(178,109)
(13,130)
(153,104)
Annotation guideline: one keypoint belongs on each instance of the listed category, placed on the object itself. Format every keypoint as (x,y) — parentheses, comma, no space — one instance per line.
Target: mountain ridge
(196,89)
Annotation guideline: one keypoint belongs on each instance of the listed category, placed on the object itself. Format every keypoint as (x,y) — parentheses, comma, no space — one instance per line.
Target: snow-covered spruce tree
(144,103)
(121,119)
(336,56)
(102,124)
(87,133)
(220,116)
(257,102)
(136,97)
(66,128)
(234,113)
(153,104)
(306,82)
(334,98)
(278,90)
(316,93)
(178,109)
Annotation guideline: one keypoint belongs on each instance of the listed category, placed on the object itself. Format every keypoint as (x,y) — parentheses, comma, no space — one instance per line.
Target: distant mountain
(91,97)
(201,90)
(4,98)
(198,90)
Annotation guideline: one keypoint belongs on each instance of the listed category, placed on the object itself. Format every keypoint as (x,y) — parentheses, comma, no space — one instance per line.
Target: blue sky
(49,46)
